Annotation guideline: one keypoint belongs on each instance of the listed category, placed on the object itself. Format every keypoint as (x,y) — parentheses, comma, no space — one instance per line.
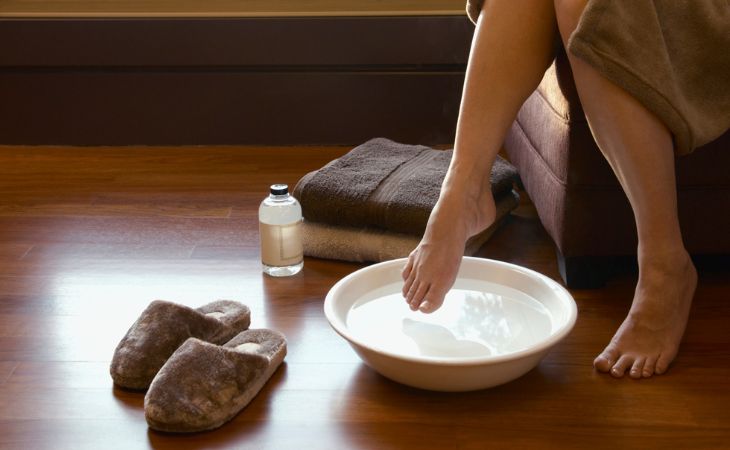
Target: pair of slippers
(201,366)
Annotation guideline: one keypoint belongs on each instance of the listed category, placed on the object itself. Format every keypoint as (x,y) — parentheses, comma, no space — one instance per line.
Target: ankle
(467,183)
(659,256)
(661,266)
(459,195)
(448,216)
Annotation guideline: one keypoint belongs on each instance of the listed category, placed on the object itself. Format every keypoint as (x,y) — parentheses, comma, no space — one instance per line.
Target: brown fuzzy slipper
(163,327)
(202,386)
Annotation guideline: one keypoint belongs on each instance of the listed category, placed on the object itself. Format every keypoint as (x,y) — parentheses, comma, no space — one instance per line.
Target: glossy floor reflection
(89,236)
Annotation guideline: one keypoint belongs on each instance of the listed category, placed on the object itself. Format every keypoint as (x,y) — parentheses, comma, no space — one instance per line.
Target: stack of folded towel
(373,203)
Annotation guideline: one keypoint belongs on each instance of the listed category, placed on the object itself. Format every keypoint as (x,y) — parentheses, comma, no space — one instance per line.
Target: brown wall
(336,80)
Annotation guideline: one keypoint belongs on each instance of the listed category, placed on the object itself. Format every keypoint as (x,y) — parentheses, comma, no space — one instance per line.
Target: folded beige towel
(384,184)
(673,56)
(374,245)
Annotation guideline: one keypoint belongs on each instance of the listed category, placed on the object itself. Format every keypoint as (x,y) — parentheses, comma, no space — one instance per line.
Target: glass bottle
(280,231)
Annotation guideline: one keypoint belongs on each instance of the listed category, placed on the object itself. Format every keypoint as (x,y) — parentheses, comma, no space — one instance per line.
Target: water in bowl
(481,320)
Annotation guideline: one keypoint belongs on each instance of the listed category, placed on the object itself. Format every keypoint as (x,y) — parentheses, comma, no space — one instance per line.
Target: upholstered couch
(578,198)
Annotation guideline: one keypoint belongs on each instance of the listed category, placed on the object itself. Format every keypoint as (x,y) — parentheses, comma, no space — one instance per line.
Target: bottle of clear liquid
(280,230)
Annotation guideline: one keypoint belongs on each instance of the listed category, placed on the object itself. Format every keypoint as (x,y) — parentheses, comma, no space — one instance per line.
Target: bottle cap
(279,189)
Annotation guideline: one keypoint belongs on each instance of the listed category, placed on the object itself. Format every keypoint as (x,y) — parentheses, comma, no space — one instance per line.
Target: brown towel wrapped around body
(672,56)
(384,184)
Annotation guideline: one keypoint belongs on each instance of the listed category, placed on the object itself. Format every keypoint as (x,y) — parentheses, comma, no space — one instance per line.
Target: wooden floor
(89,236)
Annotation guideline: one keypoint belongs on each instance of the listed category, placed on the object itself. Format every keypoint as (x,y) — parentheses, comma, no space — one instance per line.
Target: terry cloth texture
(384,184)
(375,245)
(672,56)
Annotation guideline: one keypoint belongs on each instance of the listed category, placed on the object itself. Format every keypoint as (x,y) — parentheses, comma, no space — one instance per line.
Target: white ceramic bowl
(496,324)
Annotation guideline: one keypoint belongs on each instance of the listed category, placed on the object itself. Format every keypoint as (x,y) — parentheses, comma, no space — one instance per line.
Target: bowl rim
(544,345)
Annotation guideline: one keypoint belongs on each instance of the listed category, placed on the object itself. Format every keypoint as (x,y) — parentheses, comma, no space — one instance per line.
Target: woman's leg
(639,149)
(512,47)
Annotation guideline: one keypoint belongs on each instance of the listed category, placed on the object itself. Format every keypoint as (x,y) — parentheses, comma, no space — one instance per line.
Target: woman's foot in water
(432,267)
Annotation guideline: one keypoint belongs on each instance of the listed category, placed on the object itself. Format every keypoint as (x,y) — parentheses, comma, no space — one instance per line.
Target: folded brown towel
(384,184)
(374,245)
(672,56)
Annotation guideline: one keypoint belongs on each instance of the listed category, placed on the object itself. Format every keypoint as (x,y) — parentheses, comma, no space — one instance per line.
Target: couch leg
(585,272)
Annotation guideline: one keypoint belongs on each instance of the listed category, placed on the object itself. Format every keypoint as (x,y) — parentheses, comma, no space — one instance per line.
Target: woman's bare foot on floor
(432,267)
(648,339)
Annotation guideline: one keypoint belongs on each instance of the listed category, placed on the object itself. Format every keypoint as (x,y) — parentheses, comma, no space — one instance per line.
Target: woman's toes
(662,365)
(649,367)
(433,300)
(406,272)
(602,364)
(638,368)
(416,297)
(413,287)
(408,285)
(605,360)
(430,304)
(619,369)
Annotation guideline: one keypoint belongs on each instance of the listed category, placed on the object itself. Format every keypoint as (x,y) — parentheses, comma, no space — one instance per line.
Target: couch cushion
(553,121)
